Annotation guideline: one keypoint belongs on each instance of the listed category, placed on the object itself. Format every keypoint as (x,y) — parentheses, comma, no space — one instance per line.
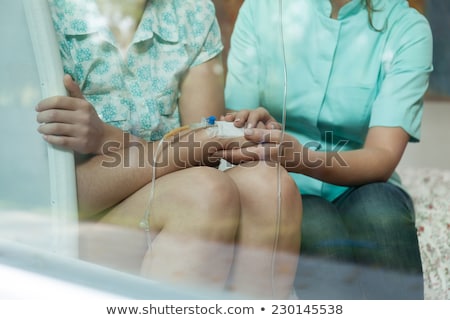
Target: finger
(60,102)
(241,117)
(235,156)
(230,117)
(62,141)
(259,115)
(57,129)
(267,152)
(273,124)
(72,87)
(56,115)
(261,125)
(63,102)
(262,135)
(77,144)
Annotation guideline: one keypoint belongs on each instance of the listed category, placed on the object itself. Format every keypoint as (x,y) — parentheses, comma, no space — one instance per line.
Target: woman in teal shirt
(356,75)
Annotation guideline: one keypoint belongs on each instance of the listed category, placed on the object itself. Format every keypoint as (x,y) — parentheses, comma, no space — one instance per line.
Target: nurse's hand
(257,118)
(266,145)
(71,122)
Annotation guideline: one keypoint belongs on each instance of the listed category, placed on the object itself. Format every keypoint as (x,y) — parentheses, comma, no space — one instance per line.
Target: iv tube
(145,224)
(145,221)
(283,129)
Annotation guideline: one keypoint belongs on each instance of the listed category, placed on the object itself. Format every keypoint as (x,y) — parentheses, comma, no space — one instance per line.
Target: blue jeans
(372,224)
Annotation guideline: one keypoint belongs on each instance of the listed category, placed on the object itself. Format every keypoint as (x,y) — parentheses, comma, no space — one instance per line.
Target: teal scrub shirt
(343,75)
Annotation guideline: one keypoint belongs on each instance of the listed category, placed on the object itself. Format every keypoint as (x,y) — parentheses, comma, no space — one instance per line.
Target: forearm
(347,168)
(105,180)
(99,187)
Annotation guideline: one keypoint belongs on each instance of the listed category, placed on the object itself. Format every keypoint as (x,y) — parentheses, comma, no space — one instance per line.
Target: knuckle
(83,132)
(52,115)
(85,117)
(57,128)
(62,141)
(85,106)
(58,100)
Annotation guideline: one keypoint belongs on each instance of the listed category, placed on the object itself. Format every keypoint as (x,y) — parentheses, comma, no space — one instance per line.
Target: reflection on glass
(149,71)
(136,68)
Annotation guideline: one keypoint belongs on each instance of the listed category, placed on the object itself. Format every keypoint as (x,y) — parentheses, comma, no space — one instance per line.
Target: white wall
(433,151)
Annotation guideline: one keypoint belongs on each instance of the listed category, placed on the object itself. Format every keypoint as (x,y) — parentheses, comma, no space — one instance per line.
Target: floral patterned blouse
(137,92)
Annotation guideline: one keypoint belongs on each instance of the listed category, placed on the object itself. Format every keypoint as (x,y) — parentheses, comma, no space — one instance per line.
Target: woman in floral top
(139,69)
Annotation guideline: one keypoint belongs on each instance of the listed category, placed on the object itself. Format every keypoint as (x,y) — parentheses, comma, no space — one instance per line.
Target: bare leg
(258,269)
(197,215)
(194,216)
(202,235)
(112,245)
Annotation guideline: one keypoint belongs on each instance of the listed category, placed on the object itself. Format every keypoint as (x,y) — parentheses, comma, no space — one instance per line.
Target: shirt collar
(349,9)
(159,18)
(76,19)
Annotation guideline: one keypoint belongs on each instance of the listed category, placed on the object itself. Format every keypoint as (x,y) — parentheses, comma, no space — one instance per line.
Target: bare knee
(262,182)
(265,210)
(206,204)
(213,191)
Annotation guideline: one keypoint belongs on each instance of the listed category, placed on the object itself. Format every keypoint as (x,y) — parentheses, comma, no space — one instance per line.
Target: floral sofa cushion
(430,190)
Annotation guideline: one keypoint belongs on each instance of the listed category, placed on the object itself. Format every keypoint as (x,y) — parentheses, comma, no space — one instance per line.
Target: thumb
(72,87)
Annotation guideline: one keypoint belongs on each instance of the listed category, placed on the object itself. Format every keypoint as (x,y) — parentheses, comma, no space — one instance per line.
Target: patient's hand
(264,145)
(194,147)
(71,122)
